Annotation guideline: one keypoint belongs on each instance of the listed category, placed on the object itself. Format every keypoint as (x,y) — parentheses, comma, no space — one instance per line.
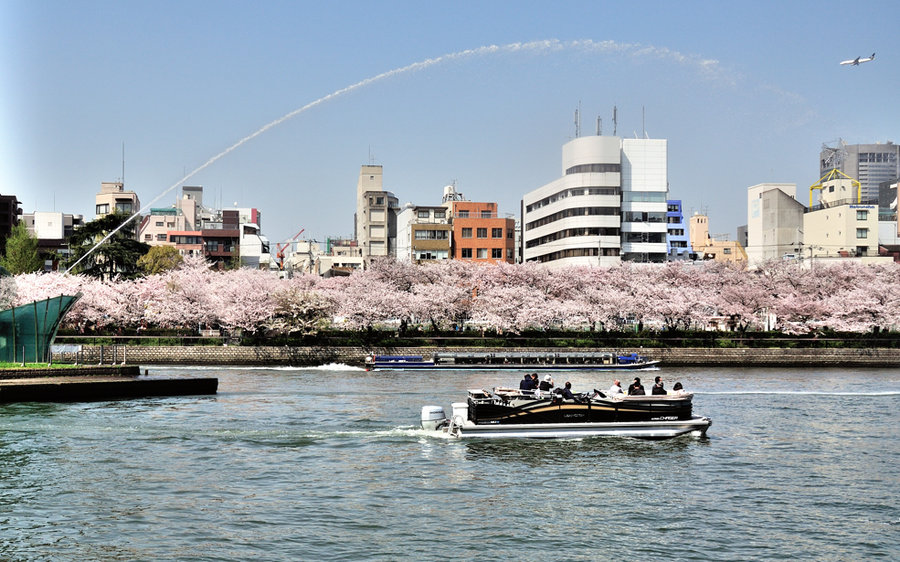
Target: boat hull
(515,360)
(643,430)
(503,413)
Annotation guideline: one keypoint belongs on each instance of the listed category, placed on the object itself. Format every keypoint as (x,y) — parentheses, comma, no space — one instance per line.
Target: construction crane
(279,254)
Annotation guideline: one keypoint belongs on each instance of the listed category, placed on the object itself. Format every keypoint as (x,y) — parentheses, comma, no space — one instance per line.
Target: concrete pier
(70,385)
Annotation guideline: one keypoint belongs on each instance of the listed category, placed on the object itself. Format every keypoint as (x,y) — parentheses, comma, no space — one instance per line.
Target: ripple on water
(270,470)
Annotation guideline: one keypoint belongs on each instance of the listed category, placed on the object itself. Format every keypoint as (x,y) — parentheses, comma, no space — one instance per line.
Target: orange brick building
(479,234)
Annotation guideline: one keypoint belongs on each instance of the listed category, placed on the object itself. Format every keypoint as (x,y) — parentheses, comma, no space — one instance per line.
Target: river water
(329,463)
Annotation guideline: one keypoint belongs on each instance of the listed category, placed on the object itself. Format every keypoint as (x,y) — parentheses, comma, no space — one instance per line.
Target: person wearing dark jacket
(566,392)
(636,389)
(527,383)
(658,387)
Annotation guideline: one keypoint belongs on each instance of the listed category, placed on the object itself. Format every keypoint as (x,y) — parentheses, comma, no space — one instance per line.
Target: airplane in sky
(857,60)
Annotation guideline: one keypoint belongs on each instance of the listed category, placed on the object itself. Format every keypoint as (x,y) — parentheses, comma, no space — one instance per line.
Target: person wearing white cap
(547,383)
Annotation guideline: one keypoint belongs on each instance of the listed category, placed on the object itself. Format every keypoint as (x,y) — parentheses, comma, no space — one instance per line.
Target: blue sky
(744,92)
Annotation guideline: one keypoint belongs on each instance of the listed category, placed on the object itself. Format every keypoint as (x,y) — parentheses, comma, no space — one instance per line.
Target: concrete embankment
(311,356)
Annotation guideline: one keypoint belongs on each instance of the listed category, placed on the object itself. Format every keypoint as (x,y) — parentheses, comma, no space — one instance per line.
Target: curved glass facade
(27,331)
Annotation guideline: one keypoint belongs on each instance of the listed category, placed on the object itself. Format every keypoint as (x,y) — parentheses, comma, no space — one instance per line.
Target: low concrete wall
(311,356)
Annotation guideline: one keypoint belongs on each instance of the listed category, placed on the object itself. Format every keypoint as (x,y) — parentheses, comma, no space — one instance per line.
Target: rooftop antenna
(371,156)
(599,126)
(578,121)
(123,164)
(615,121)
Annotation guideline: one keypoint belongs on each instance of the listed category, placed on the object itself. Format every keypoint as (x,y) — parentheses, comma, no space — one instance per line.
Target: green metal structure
(27,331)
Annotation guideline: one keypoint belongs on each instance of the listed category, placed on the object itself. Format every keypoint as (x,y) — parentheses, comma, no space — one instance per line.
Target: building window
(862,232)
(463,214)
(148,237)
(423,215)
(123,207)
(430,235)
(466,253)
(482,253)
(510,234)
(103,209)
(467,233)
(379,200)
(862,215)
(482,232)
(726,251)
(497,253)
(496,233)
(440,214)
(160,237)
(487,214)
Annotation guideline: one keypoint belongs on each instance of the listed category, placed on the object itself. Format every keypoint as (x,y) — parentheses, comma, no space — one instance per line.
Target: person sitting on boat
(658,387)
(527,383)
(566,392)
(678,389)
(636,388)
(616,388)
(547,383)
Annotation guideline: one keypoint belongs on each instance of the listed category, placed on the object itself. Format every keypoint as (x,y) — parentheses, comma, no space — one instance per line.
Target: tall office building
(609,205)
(870,164)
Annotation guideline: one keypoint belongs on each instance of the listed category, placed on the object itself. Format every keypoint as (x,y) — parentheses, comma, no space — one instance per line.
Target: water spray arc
(543,46)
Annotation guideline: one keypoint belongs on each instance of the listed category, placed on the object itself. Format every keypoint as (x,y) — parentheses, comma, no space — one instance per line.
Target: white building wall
(831,231)
(49,225)
(572,191)
(645,172)
(774,221)
(404,233)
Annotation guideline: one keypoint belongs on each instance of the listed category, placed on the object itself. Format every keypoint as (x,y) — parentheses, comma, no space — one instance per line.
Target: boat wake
(327,367)
(796,393)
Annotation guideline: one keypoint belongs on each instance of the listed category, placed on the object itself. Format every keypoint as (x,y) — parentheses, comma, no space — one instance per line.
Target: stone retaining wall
(311,356)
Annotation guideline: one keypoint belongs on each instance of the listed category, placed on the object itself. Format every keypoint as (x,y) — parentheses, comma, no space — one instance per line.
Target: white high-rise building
(609,205)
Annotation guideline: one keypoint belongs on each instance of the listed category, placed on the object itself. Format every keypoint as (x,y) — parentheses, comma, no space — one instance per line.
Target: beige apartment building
(774,222)
(376,215)
(423,234)
(114,199)
(714,248)
(840,225)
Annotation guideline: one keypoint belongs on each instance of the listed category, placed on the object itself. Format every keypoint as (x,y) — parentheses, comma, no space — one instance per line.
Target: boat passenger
(636,389)
(566,392)
(678,389)
(658,387)
(527,383)
(547,383)
(616,388)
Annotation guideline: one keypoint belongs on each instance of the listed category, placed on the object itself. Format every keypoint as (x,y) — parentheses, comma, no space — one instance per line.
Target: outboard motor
(433,417)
